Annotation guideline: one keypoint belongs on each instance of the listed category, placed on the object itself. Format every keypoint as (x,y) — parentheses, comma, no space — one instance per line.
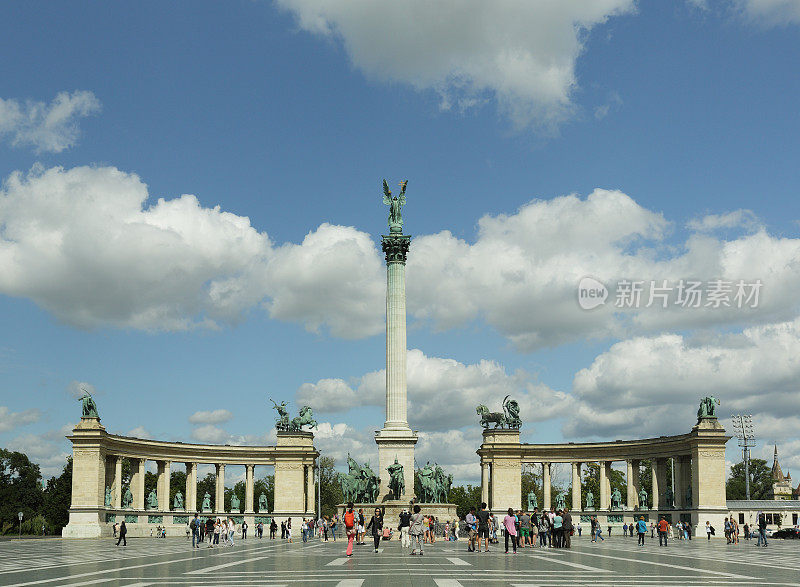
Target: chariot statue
(282,421)
(306,418)
(508,418)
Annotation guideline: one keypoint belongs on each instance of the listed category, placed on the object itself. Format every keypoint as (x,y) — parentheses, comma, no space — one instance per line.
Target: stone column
(162,485)
(117,491)
(191,487)
(576,487)
(137,483)
(485,483)
(310,492)
(605,486)
(633,484)
(219,506)
(248,490)
(682,466)
(87,509)
(656,489)
(546,488)
(396,440)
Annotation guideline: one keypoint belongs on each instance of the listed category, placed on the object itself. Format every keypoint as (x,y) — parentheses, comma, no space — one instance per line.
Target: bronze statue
(395,206)
(88,407)
(397,484)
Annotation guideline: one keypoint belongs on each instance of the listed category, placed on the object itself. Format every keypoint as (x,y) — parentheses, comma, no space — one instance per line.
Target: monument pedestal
(397,444)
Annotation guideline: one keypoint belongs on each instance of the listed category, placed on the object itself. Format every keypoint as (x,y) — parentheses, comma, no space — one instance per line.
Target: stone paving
(171,561)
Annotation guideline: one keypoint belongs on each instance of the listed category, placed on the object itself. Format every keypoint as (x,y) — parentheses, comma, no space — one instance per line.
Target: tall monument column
(396,440)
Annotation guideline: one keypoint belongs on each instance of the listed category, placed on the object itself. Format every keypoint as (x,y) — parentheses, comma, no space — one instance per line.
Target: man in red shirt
(663,526)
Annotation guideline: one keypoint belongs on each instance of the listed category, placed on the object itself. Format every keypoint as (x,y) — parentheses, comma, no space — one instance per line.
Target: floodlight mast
(743,424)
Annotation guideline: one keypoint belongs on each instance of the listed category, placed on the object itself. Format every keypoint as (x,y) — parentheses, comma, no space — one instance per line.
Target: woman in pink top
(510,522)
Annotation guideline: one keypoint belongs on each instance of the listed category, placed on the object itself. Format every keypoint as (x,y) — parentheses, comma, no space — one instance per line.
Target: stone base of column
(88,523)
(400,444)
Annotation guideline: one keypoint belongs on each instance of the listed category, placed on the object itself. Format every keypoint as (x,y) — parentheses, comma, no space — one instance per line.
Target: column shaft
(605,487)
(117,491)
(656,489)
(162,486)
(576,487)
(633,484)
(546,486)
(220,497)
(396,416)
(248,490)
(137,483)
(191,487)
(485,482)
(310,493)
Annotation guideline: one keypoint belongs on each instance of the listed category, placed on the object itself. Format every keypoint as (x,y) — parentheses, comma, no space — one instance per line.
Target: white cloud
(737,219)
(48,450)
(520,53)
(211,417)
(140,432)
(771,12)
(211,434)
(49,127)
(77,388)
(10,420)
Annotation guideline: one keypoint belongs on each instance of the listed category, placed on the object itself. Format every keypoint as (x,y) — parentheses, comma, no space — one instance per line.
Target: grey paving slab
(153,561)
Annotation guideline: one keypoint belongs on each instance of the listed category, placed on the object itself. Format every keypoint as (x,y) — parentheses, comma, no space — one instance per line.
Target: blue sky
(282,119)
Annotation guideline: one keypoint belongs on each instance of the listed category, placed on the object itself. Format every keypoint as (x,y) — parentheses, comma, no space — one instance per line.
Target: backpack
(192,525)
(349,519)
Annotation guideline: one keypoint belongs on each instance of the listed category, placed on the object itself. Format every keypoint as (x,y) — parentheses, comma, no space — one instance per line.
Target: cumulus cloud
(49,450)
(46,127)
(520,54)
(211,417)
(212,434)
(770,12)
(10,420)
(737,219)
(654,383)
(140,432)
(77,389)
(434,382)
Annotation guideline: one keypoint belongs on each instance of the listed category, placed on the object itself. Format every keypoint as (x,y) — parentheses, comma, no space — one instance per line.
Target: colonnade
(97,467)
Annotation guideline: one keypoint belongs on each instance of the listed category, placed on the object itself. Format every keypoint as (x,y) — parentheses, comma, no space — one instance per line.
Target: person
(652,530)
(747,532)
(123,530)
(624,529)
(376,525)
(321,527)
(510,523)
(641,528)
(544,529)
(566,528)
(361,531)
(525,530)
(727,531)
(244,530)
(609,530)
(708,530)
(231,530)
(472,528)
(350,527)
(663,525)
(405,523)
(687,528)
(325,527)
(289,530)
(578,528)
(416,530)
(283,530)
(210,532)
(534,527)
(273,529)
(334,526)
(194,526)
(455,529)
(304,530)
(762,530)
(432,529)
(482,519)
(115,529)
(558,529)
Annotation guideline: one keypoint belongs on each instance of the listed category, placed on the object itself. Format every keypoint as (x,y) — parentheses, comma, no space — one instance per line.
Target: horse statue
(487,417)
(306,418)
(707,408)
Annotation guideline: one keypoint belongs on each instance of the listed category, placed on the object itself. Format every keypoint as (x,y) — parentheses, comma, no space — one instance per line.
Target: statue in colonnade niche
(643,498)
(589,500)
(152,500)
(669,497)
(560,501)
(533,501)
(616,500)
(127,498)
(206,502)
(108,497)
(178,501)
(235,503)
(262,503)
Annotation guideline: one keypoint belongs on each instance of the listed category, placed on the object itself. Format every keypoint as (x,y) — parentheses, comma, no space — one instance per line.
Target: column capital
(396,247)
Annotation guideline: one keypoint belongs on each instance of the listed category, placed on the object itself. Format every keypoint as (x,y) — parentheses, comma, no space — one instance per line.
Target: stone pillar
(248,490)
(605,485)
(219,506)
(117,491)
(633,484)
(87,510)
(396,440)
(485,482)
(191,487)
(162,485)
(682,467)
(546,488)
(137,482)
(310,492)
(290,474)
(576,487)
(656,489)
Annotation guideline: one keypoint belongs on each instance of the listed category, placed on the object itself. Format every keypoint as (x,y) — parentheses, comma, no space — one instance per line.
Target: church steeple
(777,474)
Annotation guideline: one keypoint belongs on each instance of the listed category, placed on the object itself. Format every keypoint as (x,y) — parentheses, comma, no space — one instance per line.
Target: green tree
(760,480)
(329,488)
(465,497)
(57,499)
(150,483)
(20,489)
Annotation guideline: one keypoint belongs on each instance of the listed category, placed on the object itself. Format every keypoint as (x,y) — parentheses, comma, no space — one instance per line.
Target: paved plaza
(171,561)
